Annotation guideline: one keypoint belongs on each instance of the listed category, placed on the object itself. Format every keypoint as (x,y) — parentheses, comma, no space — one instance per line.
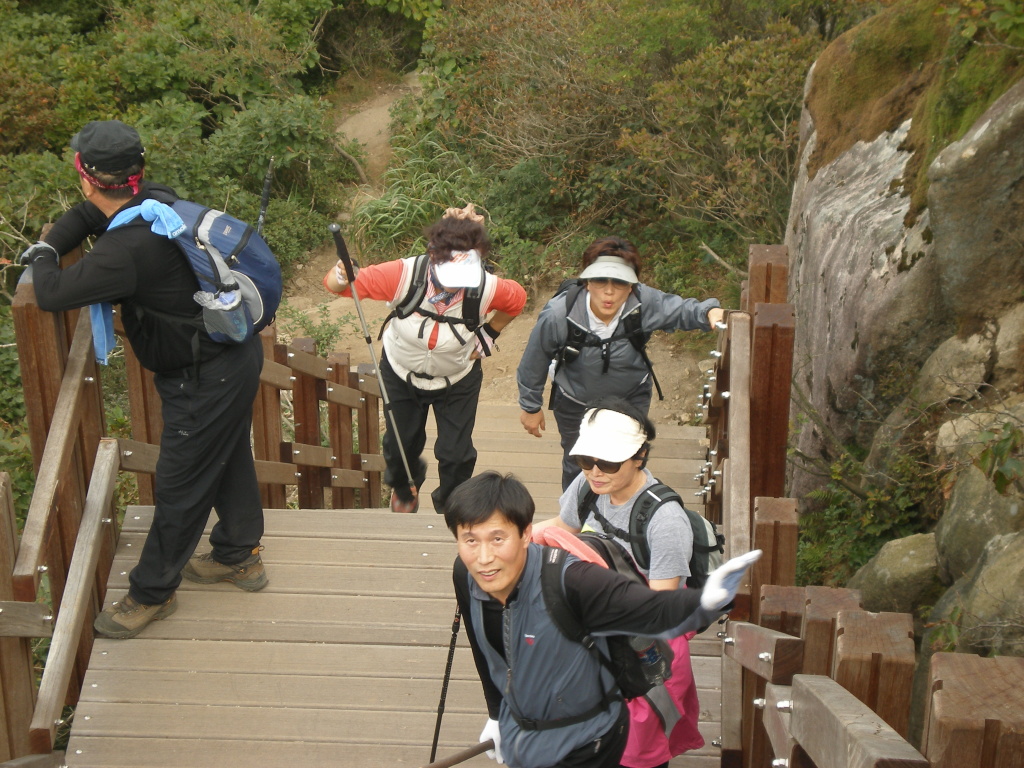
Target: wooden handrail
(77,604)
(57,454)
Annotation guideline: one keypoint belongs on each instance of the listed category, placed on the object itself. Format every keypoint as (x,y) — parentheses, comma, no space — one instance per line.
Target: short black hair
(478,498)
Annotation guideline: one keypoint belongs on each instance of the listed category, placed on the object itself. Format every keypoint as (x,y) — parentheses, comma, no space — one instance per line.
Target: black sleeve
(107,273)
(75,225)
(611,604)
(460,577)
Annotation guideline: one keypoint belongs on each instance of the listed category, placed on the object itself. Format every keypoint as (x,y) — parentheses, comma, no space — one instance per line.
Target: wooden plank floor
(339,661)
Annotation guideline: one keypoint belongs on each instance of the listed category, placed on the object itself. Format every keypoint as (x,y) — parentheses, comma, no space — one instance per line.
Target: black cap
(109,146)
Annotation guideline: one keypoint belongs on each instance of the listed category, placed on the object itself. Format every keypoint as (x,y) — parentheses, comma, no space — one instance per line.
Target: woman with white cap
(595,348)
(431,356)
(612,450)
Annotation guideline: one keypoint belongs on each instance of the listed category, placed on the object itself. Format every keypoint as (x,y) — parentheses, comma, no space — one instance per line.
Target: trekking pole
(265,198)
(463,756)
(444,684)
(342,249)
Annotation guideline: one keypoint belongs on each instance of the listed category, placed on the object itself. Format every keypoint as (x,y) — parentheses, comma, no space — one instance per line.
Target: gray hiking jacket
(544,675)
(583,380)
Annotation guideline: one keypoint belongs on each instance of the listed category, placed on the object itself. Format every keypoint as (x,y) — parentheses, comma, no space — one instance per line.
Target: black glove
(485,338)
(33,252)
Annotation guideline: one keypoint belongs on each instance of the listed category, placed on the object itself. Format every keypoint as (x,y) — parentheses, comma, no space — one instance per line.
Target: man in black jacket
(206,389)
(550,702)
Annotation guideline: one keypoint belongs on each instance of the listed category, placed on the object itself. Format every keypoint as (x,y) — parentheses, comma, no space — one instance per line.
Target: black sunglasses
(602,281)
(589,462)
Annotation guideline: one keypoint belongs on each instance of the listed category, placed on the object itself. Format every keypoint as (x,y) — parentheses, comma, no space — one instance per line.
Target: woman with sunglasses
(594,346)
(612,450)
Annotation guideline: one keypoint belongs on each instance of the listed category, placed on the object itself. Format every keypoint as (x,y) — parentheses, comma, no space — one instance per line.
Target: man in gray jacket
(550,702)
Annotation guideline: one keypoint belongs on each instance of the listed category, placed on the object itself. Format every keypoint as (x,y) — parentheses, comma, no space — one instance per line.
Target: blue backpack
(239,278)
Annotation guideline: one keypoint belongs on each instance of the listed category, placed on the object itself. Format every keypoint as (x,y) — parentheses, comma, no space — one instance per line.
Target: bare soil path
(678,366)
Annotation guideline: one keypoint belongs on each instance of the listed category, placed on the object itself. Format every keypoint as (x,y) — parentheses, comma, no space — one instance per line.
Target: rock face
(875,299)
(911,327)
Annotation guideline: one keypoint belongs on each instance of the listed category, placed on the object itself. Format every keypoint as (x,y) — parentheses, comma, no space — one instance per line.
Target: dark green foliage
(855,516)
(15,450)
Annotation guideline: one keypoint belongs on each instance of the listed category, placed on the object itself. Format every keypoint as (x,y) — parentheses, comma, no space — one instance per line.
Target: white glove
(492,732)
(722,583)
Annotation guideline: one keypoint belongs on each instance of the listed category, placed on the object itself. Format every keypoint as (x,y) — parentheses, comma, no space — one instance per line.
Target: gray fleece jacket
(584,379)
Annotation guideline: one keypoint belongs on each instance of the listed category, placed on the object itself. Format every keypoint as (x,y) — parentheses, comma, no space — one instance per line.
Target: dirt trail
(678,369)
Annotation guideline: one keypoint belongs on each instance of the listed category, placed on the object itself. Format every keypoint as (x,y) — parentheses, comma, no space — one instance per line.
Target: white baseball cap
(609,435)
(614,267)
(463,270)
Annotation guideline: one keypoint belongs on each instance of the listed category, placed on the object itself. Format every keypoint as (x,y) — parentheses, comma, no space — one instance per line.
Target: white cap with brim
(609,435)
(613,267)
(463,270)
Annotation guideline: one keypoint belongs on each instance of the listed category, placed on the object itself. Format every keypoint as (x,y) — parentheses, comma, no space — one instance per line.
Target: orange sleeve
(509,297)
(375,281)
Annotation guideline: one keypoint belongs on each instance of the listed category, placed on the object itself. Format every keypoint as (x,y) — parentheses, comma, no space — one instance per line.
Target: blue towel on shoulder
(166,223)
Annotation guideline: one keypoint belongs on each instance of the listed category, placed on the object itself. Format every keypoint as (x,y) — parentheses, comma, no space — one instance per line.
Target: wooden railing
(52,579)
(809,680)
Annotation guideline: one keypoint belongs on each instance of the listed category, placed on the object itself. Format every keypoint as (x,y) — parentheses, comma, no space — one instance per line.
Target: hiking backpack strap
(553,592)
(634,330)
(413,298)
(647,503)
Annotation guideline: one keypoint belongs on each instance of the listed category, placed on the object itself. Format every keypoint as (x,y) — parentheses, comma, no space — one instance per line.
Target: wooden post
(975,715)
(819,627)
(782,608)
(17,690)
(306,408)
(266,422)
(775,534)
(771,367)
(365,380)
(339,419)
(875,662)
(732,713)
(768,283)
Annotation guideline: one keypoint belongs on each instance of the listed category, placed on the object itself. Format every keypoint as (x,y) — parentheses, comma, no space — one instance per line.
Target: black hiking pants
(205,462)
(455,416)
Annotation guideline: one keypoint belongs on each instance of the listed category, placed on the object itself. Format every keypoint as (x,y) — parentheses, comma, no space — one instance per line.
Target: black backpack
(622,660)
(576,338)
(708,543)
(410,303)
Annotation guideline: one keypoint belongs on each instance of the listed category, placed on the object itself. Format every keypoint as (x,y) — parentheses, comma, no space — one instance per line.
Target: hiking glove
(486,340)
(493,733)
(33,252)
(720,588)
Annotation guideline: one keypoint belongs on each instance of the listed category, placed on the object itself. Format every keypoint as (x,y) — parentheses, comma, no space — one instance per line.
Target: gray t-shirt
(669,534)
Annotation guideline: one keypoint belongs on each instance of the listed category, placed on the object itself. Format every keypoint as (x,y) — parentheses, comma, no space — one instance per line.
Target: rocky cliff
(907,275)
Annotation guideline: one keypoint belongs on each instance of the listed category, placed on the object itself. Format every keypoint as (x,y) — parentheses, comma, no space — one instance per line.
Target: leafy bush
(857,516)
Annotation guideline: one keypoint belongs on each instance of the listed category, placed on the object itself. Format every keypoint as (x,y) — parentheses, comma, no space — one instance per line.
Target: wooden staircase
(339,661)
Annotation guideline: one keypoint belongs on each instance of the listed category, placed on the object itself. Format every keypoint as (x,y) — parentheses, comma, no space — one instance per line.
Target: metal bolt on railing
(780,762)
(759,703)
(717,473)
(729,640)
(89,379)
(720,634)
(291,354)
(127,453)
(715,353)
(42,569)
(716,742)
(725,395)
(786,705)
(764,656)
(291,378)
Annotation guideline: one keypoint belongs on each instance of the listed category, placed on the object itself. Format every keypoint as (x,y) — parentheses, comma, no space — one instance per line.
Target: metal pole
(444,684)
(265,198)
(343,256)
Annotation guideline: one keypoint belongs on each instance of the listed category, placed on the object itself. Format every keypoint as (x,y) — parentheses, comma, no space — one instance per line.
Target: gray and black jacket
(531,671)
(615,369)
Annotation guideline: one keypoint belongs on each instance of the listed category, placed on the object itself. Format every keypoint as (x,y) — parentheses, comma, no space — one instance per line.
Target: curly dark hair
(452,234)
